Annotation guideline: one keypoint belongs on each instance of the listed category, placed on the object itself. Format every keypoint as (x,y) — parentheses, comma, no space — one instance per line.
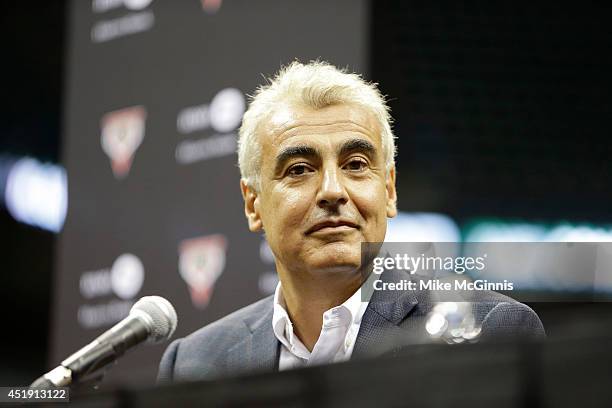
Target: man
(316,155)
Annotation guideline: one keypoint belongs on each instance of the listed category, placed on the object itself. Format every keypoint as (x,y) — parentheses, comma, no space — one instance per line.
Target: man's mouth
(332,226)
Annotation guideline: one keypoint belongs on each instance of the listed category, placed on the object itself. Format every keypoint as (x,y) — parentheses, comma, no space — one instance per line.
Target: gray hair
(317,84)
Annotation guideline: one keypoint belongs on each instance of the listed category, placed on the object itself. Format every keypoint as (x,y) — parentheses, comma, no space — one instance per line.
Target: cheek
(370,200)
(370,197)
(288,208)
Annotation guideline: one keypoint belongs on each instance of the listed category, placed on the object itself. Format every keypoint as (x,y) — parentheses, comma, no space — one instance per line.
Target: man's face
(324,187)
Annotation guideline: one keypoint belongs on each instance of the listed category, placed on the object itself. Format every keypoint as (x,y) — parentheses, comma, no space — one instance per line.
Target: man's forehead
(287,121)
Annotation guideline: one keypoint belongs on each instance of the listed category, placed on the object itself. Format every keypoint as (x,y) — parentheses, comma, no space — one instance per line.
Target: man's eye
(298,170)
(356,165)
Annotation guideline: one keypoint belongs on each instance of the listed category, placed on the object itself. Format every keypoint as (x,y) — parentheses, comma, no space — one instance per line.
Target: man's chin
(335,257)
(337,269)
(336,264)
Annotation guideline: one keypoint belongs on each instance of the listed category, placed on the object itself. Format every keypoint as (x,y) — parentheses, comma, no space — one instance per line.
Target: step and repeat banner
(155,92)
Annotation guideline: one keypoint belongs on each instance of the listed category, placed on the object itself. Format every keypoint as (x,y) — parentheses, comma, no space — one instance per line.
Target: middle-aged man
(316,155)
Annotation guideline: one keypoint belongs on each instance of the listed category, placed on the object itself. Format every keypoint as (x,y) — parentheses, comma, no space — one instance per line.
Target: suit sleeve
(512,321)
(166,366)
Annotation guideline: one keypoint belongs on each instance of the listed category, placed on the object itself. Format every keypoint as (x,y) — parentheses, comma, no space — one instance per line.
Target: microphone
(152,319)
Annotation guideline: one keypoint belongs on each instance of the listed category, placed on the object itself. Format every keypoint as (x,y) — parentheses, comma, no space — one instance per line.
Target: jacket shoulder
(200,353)
(502,317)
(509,320)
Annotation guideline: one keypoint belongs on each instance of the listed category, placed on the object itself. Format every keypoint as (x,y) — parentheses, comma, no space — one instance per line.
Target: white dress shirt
(336,341)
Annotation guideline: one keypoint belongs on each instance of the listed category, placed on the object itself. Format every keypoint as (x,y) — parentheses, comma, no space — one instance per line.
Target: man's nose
(332,192)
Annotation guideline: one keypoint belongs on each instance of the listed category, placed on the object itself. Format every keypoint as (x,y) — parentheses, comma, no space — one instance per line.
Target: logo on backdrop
(201,262)
(101,6)
(122,282)
(138,19)
(127,276)
(122,133)
(211,6)
(219,119)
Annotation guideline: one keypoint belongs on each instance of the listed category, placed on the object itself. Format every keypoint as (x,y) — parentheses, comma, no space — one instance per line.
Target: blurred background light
(36,193)
(422,227)
(500,230)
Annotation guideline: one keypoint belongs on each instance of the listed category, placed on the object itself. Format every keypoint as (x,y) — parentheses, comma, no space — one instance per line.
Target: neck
(307,297)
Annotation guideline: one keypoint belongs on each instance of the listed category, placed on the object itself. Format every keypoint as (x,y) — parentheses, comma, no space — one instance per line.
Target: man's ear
(391,194)
(251,206)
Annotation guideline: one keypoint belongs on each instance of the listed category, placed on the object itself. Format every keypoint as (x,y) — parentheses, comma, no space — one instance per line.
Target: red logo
(122,133)
(201,262)
(211,6)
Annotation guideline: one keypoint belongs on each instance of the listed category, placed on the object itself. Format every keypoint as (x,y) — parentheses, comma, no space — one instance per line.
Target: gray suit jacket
(244,340)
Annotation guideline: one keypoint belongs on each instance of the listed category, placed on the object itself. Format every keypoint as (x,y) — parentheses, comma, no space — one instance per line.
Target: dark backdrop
(500,111)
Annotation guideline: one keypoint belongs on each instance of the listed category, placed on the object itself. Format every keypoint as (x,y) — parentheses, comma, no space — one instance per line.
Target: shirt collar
(283,327)
(280,319)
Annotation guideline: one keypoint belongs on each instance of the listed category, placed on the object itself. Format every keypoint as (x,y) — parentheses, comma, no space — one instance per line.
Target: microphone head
(159,315)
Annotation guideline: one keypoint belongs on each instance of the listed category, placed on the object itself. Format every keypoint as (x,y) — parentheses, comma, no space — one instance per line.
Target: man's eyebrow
(357,145)
(294,151)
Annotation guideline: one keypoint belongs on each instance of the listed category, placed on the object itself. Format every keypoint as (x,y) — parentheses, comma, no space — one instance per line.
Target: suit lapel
(380,325)
(379,331)
(259,348)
